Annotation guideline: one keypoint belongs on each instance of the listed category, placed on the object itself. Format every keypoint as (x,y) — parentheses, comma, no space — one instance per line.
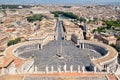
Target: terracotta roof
(21,76)
(10,30)
(6,62)
(11,77)
(18,62)
(70,74)
(112,77)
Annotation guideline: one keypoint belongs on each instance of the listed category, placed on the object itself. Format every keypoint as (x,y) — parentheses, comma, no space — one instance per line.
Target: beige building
(106,39)
(3,41)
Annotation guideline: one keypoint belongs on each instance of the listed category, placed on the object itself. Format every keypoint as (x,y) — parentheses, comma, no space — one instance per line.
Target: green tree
(65,14)
(118,48)
(82,19)
(35,17)
(15,41)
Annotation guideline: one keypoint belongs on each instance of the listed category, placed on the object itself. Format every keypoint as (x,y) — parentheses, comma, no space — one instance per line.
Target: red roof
(17,62)
(7,61)
(10,30)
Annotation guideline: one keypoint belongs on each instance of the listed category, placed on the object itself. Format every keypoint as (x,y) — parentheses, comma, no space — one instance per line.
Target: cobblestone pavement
(61,52)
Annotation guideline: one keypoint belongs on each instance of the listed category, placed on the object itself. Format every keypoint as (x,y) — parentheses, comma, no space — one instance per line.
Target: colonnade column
(71,68)
(83,69)
(83,45)
(78,68)
(95,69)
(41,45)
(47,69)
(36,68)
(59,70)
(3,71)
(65,68)
(52,69)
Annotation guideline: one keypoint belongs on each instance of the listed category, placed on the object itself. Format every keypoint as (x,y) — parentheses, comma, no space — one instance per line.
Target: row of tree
(108,25)
(69,15)
(35,17)
(100,29)
(15,41)
(113,23)
(65,14)
(13,6)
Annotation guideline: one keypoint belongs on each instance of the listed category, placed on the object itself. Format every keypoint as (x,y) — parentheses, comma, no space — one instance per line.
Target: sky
(58,1)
